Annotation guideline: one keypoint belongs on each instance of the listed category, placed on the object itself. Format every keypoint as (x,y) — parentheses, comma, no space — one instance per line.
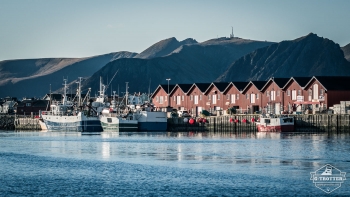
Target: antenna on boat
(65,91)
(149,89)
(111,79)
(79,91)
(126,94)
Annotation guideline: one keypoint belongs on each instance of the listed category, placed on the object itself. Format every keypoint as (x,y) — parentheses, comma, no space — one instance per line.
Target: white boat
(272,123)
(65,117)
(114,118)
(150,120)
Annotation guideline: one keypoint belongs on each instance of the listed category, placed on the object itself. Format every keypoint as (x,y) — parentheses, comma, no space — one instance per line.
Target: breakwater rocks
(7,122)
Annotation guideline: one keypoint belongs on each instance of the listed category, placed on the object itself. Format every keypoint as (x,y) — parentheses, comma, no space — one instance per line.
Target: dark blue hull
(153,126)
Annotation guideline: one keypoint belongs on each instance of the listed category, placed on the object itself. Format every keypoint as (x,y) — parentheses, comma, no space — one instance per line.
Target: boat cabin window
(267,121)
(285,120)
(109,119)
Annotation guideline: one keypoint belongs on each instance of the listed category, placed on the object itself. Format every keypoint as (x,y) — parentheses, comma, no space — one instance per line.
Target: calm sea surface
(168,164)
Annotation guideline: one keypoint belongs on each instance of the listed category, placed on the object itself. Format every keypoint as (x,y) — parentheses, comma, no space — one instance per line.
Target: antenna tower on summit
(231,35)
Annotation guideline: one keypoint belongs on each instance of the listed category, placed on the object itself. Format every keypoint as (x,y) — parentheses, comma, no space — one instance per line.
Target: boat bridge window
(267,121)
(109,119)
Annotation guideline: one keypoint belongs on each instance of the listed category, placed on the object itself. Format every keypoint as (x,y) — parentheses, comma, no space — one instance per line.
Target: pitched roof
(259,84)
(240,85)
(302,81)
(202,86)
(185,87)
(281,82)
(221,85)
(165,87)
(333,82)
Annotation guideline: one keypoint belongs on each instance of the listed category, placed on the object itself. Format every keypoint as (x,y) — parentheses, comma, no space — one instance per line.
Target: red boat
(272,123)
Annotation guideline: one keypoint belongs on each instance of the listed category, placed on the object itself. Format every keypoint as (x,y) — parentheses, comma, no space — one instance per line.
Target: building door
(198,111)
(255,108)
(277,108)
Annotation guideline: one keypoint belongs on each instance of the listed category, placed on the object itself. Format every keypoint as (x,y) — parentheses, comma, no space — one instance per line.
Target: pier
(19,122)
(231,123)
(246,122)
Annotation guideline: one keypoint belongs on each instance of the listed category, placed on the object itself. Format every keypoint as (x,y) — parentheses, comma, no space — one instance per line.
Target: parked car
(183,113)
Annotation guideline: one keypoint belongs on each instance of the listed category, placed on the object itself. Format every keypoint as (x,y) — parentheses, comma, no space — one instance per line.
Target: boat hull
(277,128)
(118,124)
(152,121)
(72,123)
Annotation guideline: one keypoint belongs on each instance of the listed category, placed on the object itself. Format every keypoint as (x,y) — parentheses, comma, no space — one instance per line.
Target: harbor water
(169,163)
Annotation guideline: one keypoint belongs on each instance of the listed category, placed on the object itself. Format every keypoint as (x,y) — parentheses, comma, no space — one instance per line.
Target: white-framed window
(321,92)
(278,93)
(191,97)
(178,102)
(310,92)
(174,98)
(182,98)
(200,97)
(209,97)
(157,98)
(267,93)
(237,97)
(166,98)
(233,98)
(247,96)
(196,99)
(161,100)
(294,95)
(214,98)
(252,98)
(288,92)
(299,92)
(218,96)
(228,96)
(257,96)
(273,95)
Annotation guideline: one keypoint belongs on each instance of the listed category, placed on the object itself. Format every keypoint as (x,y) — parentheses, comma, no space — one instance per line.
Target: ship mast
(65,92)
(126,94)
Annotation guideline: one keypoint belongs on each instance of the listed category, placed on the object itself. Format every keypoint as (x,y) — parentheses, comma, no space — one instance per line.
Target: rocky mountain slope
(306,56)
(32,77)
(163,48)
(346,50)
(189,63)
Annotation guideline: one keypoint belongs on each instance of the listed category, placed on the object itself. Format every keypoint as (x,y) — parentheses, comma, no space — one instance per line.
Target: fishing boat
(69,116)
(272,123)
(116,119)
(150,120)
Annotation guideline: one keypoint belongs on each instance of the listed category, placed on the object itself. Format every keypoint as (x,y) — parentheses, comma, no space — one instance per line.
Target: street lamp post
(168,92)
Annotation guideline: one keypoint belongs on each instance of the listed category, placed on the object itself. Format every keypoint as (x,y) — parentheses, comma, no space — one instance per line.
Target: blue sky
(82,28)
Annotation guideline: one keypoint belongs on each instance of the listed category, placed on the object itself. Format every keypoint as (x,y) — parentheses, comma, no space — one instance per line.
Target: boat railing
(57,113)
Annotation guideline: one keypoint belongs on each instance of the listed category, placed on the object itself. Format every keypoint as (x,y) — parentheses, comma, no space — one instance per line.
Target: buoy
(231,119)
(244,120)
(236,120)
(200,120)
(204,120)
(253,120)
(191,121)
